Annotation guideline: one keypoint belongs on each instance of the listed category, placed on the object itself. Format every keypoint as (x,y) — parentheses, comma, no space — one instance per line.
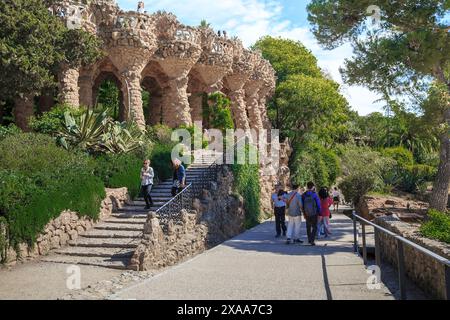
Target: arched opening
(152,100)
(198,99)
(108,95)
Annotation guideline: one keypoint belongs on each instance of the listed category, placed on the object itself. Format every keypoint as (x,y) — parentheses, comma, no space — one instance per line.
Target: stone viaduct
(175,63)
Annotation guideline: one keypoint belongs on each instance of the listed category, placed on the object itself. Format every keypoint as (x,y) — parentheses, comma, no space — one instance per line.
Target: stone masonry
(180,61)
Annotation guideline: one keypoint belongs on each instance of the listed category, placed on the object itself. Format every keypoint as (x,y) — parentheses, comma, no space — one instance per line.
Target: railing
(401,241)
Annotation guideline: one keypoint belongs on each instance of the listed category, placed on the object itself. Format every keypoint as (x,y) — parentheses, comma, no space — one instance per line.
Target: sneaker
(147,208)
(277,236)
(284,234)
(313,244)
(298,241)
(288,241)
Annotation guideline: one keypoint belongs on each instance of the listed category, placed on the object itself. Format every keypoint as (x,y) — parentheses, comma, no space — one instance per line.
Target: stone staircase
(112,242)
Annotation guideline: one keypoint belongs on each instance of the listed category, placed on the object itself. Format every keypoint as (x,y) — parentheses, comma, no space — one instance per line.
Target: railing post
(447,281)
(401,269)
(377,248)
(363,226)
(355,235)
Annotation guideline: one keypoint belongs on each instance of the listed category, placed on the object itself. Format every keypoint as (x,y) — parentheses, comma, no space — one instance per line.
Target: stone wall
(67,227)
(218,215)
(425,271)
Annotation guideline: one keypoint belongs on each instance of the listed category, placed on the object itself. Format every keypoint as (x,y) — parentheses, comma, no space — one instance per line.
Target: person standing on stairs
(147,175)
(179,177)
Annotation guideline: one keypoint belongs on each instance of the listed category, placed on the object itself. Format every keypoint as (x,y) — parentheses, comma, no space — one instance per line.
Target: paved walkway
(254,265)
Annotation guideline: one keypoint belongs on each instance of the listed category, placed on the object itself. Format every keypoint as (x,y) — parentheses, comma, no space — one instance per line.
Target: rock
(55,242)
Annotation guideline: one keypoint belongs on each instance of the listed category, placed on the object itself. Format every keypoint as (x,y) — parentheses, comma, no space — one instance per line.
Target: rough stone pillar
(196,103)
(239,109)
(46,101)
(253,106)
(23,110)
(68,87)
(133,97)
(235,84)
(86,93)
(176,110)
(155,109)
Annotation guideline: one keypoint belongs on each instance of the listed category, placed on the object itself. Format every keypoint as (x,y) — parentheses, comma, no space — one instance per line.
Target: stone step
(137,210)
(126,216)
(119,226)
(124,243)
(127,220)
(108,234)
(112,253)
(138,203)
(116,263)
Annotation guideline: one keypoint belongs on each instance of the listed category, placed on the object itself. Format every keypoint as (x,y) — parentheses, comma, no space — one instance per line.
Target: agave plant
(84,131)
(122,137)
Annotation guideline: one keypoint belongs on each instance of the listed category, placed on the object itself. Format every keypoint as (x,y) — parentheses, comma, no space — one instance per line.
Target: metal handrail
(400,252)
(174,198)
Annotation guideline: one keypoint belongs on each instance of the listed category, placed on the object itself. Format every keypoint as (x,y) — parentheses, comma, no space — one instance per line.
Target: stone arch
(153,111)
(99,80)
(154,81)
(196,90)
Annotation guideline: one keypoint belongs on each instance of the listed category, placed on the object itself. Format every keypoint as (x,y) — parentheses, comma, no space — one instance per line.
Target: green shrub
(159,133)
(411,177)
(8,130)
(217,112)
(50,122)
(437,227)
(313,162)
(118,171)
(39,181)
(246,183)
(403,156)
(161,159)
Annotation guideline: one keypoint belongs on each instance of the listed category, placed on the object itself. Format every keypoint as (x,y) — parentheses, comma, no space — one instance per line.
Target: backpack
(309,205)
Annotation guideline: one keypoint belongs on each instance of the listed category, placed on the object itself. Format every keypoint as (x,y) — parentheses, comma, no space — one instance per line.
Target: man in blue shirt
(311,211)
(179,177)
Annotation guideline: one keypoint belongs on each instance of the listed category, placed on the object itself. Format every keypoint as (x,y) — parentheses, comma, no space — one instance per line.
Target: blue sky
(252,19)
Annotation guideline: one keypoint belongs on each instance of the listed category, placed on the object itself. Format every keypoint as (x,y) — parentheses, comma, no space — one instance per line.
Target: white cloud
(252,19)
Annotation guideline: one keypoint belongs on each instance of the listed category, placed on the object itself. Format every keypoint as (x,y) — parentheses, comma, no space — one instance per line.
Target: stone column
(252,101)
(86,95)
(155,109)
(196,103)
(235,84)
(131,81)
(68,87)
(23,111)
(176,110)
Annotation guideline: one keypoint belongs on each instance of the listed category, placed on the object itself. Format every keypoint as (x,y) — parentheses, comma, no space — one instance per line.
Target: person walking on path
(294,209)
(325,203)
(279,207)
(147,175)
(336,199)
(179,177)
(311,210)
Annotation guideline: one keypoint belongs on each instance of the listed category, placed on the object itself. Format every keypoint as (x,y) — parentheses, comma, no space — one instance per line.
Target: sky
(252,19)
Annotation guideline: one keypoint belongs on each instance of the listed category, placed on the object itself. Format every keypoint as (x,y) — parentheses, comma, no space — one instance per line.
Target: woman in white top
(336,199)
(147,176)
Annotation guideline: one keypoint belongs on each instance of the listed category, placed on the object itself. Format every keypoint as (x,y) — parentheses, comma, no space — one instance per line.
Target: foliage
(288,57)
(161,158)
(108,99)
(437,227)
(50,122)
(39,181)
(160,133)
(363,171)
(97,133)
(119,170)
(313,162)
(33,44)
(402,156)
(6,131)
(404,54)
(217,112)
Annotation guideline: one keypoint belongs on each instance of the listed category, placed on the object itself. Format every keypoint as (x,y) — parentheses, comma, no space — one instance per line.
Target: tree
(204,24)
(33,46)
(410,46)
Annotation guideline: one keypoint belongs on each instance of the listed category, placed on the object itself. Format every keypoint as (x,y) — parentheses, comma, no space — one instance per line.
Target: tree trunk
(23,111)
(439,197)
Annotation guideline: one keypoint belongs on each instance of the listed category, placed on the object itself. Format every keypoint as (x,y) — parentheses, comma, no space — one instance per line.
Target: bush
(402,156)
(217,112)
(6,131)
(50,122)
(161,159)
(437,227)
(313,162)
(246,183)
(39,181)
(411,177)
(118,171)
